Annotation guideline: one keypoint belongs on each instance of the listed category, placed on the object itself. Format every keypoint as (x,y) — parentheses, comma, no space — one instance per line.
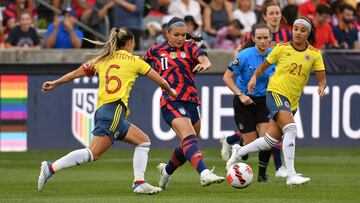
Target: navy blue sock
(192,153)
(232,139)
(177,159)
(277,157)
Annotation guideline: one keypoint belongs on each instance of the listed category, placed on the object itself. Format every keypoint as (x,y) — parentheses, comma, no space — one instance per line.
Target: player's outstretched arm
(154,76)
(49,85)
(321,78)
(204,64)
(259,70)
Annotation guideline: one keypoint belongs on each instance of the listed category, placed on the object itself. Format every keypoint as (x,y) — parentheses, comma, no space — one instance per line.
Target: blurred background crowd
(223,24)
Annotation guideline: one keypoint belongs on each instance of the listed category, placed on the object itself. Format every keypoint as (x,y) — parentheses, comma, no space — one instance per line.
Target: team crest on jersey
(173,55)
(182,111)
(84,102)
(183,54)
(307,57)
(286,103)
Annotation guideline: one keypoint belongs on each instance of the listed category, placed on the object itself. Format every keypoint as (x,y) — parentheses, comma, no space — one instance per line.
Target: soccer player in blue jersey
(251,113)
(294,62)
(177,61)
(117,69)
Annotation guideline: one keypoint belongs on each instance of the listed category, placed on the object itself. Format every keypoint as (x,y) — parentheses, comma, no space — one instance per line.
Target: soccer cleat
(44,176)
(164,178)
(225,148)
(281,172)
(264,179)
(296,180)
(145,188)
(210,178)
(233,158)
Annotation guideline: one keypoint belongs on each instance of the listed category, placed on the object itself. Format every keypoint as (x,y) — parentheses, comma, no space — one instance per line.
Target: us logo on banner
(84,101)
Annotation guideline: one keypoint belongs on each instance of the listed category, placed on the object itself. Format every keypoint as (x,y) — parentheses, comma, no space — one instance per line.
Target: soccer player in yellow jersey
(295,60)
(117,69)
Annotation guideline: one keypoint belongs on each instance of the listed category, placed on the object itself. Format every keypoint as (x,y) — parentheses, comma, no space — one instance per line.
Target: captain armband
(89,69)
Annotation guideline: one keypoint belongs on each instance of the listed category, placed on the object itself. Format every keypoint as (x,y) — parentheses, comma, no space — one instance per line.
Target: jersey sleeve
(149,57)
(238,63)
(274,55)
(319,63)
(195,51)
(142,67)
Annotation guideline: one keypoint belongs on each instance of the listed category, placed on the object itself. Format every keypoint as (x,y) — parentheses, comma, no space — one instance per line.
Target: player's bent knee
(144,144)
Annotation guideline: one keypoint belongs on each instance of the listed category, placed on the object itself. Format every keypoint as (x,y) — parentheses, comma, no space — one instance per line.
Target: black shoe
(244,158)
(263,179)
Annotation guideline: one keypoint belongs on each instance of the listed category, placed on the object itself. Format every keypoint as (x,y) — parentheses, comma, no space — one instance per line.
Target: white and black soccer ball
(239,175)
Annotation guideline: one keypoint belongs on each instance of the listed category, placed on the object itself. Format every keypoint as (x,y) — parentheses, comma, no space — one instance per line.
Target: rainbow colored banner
(13,112)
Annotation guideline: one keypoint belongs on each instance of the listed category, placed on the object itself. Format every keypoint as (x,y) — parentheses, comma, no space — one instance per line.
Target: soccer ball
(239,175)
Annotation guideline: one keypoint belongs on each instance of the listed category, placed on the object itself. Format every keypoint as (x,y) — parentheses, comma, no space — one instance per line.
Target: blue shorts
(110,121)
(276,102)
(178,109)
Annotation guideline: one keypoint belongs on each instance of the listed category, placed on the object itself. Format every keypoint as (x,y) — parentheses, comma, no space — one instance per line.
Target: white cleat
(164,178)
(281,172)
(225,148)
(296,180)
(233,158)
(146,188)
(44,176)
(210,178)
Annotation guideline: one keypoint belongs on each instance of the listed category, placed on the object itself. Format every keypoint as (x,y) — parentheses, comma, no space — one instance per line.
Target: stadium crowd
(223,24)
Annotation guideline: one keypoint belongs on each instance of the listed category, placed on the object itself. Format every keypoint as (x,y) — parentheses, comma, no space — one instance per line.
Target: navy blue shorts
(276,102)
(178,109)
(110,121)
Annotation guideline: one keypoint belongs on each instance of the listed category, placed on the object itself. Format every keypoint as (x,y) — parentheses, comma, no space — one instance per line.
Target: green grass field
(334,177)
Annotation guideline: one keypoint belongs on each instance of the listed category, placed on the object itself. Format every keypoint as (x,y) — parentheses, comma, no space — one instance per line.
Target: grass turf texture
(334,174)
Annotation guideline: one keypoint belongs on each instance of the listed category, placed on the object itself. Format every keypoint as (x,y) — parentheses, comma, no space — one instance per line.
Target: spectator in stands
(345,33)
(308,8)
(336,10)
(229,37)
(129,13)
(290,13)
(23,36)
(357,15)
(324,36)
(182,8)
(63,33)
(164,36)
(192,28)
(216,16)
(13,11)
(153,30)
(244,14)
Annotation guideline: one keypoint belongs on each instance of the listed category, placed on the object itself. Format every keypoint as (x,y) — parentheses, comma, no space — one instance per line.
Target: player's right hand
(251,85)
(246,100)
(48,85)
(172,92)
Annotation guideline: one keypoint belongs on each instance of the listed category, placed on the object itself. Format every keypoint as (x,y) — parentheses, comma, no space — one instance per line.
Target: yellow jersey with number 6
(292,71)
(117,75)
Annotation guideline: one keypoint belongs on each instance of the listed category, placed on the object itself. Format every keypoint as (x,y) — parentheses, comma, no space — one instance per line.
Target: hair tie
(117,30)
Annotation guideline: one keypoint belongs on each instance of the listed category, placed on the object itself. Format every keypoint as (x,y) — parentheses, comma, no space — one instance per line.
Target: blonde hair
(118,39)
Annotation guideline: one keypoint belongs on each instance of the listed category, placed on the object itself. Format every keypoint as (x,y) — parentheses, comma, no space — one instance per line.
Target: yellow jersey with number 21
(117,75)
(292,71)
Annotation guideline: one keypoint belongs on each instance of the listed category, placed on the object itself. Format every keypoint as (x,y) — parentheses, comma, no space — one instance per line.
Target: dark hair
(250,42)
(118,39)
(188,35)
(346,6)
(323,9)
(191,20)
(237,24)
(290,13)
(311,37)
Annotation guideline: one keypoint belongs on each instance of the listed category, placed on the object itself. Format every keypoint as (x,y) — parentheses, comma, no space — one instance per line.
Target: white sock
(74,158)
(288,147)
(260,144)
(140,160)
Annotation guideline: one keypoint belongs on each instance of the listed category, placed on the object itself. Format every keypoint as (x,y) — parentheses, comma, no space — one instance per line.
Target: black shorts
(246,117)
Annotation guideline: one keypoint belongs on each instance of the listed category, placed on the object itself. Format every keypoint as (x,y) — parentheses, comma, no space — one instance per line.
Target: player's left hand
(321,92)
(200,68)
